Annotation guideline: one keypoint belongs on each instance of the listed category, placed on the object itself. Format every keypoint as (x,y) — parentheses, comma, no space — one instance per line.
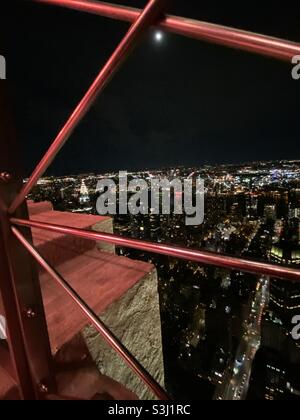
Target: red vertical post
(20,293)
(9,308)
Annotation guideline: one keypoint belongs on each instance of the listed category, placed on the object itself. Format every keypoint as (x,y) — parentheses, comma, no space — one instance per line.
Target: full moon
(158,36)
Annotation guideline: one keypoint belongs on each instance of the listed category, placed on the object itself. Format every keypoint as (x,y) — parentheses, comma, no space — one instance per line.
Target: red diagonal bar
(204,257)
(142,23)
(107,335)
(218,34)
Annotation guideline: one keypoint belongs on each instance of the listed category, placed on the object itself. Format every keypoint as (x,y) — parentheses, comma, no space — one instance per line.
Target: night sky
(178,102)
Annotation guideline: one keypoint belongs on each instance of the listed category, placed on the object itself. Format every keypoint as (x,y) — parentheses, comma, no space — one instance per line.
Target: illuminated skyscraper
(84,193)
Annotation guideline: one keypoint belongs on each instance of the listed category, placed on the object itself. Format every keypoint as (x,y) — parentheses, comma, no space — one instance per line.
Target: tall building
(84,193)
(294,213)
(270,212)
(285,297)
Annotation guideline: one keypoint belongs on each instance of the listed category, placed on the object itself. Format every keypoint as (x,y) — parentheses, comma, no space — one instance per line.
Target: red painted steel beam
(107,335)
(27,337)
(144,19)
(203,257)
(203,31)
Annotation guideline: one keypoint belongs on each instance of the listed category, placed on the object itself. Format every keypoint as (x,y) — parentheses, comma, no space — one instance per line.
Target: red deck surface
(36,208)
(58,248)
(100,278)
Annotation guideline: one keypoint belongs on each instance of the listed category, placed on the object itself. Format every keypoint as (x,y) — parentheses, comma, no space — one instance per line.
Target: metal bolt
(5,177)
(30,313)
(43,388)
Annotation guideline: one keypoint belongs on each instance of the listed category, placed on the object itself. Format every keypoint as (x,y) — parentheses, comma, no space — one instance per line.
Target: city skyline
(251,211)
(172,167)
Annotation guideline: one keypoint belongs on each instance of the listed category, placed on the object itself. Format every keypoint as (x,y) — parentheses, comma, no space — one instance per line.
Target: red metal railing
(142,20)
(203,31)
(202,257)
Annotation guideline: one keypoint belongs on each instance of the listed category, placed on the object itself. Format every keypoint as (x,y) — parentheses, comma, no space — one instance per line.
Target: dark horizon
(179,102)
(169,167)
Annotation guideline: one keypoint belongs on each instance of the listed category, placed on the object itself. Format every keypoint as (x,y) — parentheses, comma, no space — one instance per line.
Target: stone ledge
(135,320)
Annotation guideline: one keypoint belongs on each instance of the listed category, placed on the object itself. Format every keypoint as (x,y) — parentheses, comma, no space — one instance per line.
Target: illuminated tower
(84,193)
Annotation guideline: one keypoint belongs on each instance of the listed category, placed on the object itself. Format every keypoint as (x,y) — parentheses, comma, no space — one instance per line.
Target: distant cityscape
(224,332)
